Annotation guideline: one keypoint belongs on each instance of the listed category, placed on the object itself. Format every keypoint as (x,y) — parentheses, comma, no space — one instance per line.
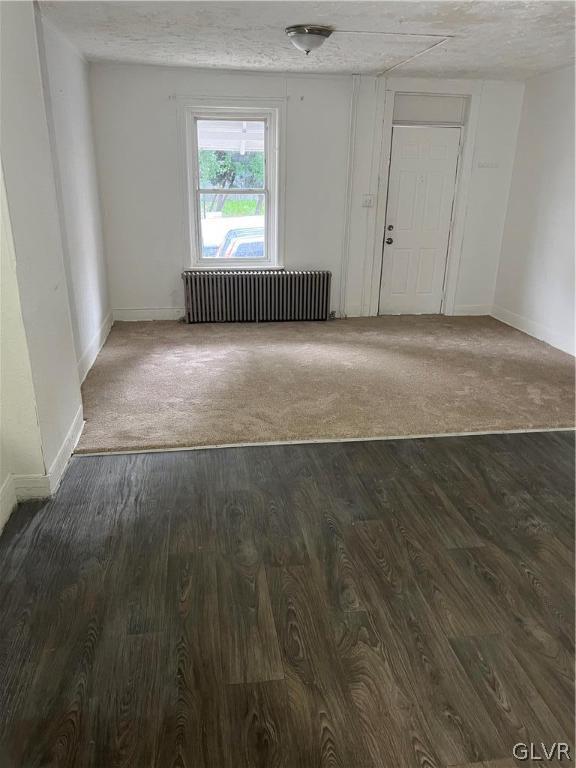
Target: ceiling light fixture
(308,37)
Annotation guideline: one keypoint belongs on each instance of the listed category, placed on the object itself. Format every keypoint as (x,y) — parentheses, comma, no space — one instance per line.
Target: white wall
(76,183)
(20,444)
(140,171)
(31,194)
(494,147)
(140,166)
(367,137)
(535,287)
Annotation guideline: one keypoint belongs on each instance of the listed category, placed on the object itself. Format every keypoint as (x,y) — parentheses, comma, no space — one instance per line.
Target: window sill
(237,267)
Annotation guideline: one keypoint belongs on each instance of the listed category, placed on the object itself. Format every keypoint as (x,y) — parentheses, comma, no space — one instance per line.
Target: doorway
(421,188)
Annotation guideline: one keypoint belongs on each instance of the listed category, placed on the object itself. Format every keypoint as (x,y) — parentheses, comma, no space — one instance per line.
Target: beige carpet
(167,385)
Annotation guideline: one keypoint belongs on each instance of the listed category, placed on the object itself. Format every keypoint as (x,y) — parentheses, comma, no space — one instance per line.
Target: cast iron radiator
(227,296)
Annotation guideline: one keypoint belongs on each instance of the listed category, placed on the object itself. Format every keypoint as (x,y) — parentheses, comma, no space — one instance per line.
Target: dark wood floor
(390,604)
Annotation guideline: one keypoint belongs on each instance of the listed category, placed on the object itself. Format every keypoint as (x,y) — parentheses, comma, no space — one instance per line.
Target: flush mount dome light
(308,37)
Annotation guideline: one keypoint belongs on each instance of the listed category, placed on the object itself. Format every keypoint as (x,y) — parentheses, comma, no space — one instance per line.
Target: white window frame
(271,115)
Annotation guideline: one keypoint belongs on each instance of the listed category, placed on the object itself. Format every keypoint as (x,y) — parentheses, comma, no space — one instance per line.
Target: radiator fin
(220,296)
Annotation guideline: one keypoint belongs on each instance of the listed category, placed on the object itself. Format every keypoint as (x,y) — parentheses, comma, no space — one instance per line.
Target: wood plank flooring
(387,604)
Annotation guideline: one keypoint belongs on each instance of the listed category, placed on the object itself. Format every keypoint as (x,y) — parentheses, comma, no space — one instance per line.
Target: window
(232,182)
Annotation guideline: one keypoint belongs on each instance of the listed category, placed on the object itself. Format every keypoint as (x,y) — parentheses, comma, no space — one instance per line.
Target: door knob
(389,240)
(390,227)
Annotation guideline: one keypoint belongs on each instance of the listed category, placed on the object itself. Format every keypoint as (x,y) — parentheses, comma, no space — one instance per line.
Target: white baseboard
(58,466)
(472,309)
(532,328)
(91,352)
(23,487)
(8,500)
(161,313)
(31,487)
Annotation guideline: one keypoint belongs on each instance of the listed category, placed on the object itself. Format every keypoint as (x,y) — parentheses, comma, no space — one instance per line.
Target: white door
(421,188)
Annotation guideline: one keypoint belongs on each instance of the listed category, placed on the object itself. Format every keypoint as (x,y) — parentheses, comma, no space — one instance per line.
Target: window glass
(231,154)
(232,226)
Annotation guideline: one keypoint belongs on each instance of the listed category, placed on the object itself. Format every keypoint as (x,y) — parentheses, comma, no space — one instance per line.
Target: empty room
(287,384)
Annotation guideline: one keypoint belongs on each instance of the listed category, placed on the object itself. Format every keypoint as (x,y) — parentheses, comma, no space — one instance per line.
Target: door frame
(388,88)
(452,209)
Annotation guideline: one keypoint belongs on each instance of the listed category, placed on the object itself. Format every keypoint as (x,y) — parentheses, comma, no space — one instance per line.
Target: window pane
(232,226)
(231,154)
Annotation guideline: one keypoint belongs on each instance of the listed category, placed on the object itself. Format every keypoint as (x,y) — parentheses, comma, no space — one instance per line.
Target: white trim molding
(91,352)
(381,142)
(148,313)
(272,111)
(35,486)
(31,487)
(43,486)
(58,466)
(472,309)
(8,500)
(345,254)
(564,342)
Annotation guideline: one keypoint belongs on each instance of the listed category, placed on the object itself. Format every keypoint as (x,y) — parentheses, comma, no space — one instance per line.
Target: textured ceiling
(477,38)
